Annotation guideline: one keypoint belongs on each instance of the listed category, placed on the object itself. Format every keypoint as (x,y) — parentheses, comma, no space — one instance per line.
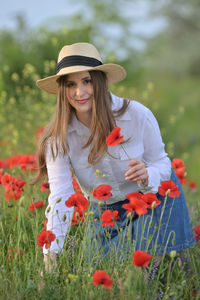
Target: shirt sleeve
(156,159)
(61,188)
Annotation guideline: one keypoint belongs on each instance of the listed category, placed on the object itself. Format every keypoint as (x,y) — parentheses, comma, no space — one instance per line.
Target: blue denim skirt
(162,230)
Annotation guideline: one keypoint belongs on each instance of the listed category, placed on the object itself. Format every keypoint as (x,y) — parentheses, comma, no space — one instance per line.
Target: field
(175,102)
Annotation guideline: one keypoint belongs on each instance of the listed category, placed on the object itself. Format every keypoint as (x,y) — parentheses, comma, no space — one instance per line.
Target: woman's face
(79,93)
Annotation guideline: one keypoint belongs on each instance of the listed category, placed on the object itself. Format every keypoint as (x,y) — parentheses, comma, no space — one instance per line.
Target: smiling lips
(83,101)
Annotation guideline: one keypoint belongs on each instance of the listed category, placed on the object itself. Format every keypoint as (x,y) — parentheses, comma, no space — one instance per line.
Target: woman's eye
(70,84)
(88,81)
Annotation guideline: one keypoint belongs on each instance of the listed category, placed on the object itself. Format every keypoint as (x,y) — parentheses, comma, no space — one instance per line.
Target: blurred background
(157,42)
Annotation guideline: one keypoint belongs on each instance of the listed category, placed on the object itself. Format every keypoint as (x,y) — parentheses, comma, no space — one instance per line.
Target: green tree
(176,48)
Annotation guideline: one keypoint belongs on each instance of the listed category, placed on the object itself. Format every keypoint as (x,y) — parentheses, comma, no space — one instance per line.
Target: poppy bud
(153,204)
(172,254)
(129,215)
(168,192)
(48,209)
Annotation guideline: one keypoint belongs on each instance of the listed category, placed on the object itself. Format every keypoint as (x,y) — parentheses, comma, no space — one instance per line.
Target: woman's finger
(139,175)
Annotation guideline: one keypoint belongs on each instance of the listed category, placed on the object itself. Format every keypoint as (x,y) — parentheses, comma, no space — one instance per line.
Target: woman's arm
(61,188)
(155,158)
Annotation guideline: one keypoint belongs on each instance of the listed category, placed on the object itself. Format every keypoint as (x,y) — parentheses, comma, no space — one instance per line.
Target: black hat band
(77,60)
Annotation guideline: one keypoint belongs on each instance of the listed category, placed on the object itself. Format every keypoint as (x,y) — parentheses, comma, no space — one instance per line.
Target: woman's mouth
(82,101)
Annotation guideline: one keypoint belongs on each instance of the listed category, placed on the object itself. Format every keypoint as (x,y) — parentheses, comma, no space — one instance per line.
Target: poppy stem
(125,151)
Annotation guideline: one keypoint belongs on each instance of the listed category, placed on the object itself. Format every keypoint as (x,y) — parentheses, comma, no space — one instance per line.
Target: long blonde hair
(102,123)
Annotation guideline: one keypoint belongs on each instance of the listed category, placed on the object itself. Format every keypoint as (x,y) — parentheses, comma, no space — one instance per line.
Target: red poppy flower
(13,253)
(180,173)
(101,277)
(114,137)
(141,258)
(192,186)
(136,204)
(3,164)
(38,133)
(26,162)
(109,217)
(77,200)
(78,216)
(45,186)
(169,185)
(45,225)
(11,193)
(197,231)
(102,192)
(18,183)
(1,175)
(76,186)
(45,238)
(35,205)
(134,195)
(5,179)
(177,163)
(150,198)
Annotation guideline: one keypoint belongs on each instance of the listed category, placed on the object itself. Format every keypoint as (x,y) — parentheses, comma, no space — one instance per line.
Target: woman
(86,113)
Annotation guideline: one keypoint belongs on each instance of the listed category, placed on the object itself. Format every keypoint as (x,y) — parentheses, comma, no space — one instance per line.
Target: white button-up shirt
(137,124)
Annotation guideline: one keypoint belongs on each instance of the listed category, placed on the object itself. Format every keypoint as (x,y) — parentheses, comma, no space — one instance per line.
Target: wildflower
(78,216)
(102,192)
(192,186)
(141,258)
(197,231)
(136,204)
(77,200)
(101,277)
(1,175)
(45,225)
(109,217)
(169,185)
(179,169)
(76,186)
(114,137)
(177,163)
(13,253)
(180,173)
(45,238)
(3,164)
(13,189)
(38,133)
(35,205)
(5,179)
(45,186)
(151,200)
(26,162)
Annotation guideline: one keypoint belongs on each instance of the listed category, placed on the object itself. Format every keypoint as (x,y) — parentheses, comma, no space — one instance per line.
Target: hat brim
(114,74)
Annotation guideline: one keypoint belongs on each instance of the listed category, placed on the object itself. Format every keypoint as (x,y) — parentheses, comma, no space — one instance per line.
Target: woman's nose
(79,90)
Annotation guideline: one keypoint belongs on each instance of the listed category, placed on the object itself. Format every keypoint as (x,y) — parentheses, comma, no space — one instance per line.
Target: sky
(42,12)
(37,12)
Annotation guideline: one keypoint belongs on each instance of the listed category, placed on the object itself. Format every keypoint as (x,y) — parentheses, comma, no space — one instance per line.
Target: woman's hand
(137,172)
(50,262)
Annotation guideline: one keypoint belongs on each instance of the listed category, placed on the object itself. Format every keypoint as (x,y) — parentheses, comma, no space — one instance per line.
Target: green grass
(175,102)
(20,275)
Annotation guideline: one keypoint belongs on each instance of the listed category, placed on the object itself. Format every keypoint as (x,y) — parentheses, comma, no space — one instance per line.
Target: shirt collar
(76,125)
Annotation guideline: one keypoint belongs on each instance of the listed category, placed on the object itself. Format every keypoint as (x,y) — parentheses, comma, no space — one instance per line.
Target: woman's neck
(85,118)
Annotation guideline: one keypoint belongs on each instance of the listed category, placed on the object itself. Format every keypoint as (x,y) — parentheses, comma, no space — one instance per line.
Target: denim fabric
(167,229)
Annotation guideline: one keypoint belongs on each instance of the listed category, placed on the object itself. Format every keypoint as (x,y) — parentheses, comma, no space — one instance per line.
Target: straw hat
(76,58)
